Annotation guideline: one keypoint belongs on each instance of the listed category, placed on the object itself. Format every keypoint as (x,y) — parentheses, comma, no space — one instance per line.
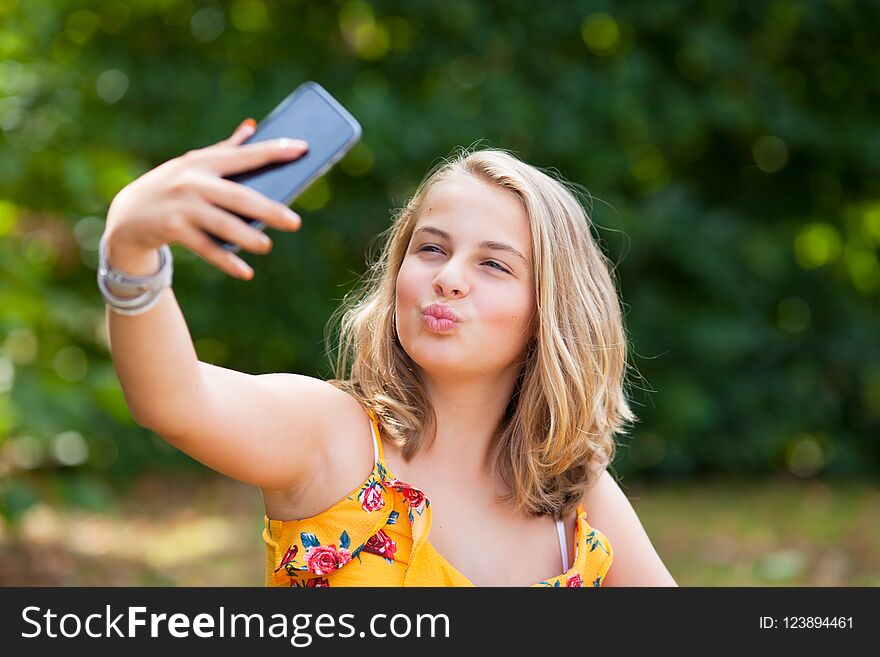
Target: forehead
(471,210)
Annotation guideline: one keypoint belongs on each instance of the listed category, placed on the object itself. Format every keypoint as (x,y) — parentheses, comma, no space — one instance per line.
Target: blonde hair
(557,433)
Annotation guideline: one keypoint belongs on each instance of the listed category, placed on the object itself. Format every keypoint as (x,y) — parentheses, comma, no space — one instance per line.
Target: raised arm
(257,429)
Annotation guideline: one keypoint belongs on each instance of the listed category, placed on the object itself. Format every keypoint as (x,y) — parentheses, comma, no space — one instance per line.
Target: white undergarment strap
(375,442)
(560,529)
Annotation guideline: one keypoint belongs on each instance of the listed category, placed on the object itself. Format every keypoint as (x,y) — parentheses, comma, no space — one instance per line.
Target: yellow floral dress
(377,535)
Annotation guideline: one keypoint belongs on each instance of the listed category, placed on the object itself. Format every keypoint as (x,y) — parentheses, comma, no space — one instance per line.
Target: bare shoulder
(315,389)
(314,400)
(636,562)
(340,420)
(341,456)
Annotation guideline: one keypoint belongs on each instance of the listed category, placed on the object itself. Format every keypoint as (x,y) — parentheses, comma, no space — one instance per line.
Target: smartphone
(308,113)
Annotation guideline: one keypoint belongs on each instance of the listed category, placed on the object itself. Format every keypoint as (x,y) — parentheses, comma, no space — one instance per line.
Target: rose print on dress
(325,559)
(371,496)
(414,498)
(572,581)
(288,560)
(309,564)
(382,544)
(313,583)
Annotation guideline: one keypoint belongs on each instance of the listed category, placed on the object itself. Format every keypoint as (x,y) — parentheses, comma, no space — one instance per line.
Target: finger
(244,130)
(228,160)
(208,250)
(231,228)
(247,202)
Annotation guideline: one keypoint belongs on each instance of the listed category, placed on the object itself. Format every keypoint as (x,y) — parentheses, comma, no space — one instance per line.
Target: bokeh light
(111,85)
(368,38)
(208,23)
(249,16)
(770,153)
(601,34)
(71,364)
(817,244)
(70,448)
(793,314)
(805,456)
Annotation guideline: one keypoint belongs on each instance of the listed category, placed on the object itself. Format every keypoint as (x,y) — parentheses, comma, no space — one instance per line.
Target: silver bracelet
(148,288)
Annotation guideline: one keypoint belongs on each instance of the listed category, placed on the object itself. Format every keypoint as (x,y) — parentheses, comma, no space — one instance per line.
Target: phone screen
(312,114)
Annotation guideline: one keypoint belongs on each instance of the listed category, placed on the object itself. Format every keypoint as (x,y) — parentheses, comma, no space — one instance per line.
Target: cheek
(407,286)
(510,313)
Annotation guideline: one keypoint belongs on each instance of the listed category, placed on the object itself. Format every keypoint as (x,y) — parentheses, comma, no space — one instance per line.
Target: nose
(450,282)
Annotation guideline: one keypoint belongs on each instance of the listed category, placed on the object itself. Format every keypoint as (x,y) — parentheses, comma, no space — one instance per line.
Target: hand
(178,201)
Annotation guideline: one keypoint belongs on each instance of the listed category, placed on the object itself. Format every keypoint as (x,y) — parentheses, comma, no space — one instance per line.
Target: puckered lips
(439,318)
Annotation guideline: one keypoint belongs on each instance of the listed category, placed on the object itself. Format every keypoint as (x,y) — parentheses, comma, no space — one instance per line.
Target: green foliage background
(732,151)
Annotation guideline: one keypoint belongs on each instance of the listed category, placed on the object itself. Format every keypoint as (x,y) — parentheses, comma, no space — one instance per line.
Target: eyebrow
(486,244)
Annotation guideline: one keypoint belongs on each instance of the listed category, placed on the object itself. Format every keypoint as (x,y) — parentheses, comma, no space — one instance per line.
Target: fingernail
(293,217)
(242,267)
(249,123)
(291,144)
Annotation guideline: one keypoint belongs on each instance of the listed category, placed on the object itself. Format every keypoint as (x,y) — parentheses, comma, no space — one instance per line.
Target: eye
(430,246)
(498,265)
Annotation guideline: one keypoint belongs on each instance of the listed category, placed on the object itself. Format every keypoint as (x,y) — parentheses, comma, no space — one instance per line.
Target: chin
(435,353)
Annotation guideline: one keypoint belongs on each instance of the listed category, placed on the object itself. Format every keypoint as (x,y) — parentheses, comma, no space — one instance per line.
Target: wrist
(128,293)
(133,259)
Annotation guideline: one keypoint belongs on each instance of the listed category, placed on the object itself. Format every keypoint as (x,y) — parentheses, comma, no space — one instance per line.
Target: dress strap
(560,529)
(378,452)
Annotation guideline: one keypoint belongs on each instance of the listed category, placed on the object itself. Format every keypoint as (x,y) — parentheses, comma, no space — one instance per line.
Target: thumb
(244,130)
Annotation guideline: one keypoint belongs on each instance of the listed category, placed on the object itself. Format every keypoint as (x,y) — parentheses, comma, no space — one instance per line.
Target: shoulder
(340,449)
(636,562)
(305,387)
(316,405)
(338,418)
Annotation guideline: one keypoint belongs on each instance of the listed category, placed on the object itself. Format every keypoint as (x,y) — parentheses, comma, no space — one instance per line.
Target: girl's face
(470,251)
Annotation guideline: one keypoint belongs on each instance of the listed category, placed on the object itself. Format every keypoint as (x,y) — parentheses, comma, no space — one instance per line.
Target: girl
(466,437)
